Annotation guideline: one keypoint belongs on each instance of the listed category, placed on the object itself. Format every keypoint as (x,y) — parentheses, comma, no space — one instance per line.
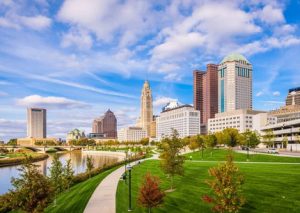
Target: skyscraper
(206,93)
(146,108)
(234,83)
(36,123)
(293,97)
(106,124)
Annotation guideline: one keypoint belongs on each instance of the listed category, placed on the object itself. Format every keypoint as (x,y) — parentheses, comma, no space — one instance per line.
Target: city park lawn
(267,188)
(76,199)
(220,155)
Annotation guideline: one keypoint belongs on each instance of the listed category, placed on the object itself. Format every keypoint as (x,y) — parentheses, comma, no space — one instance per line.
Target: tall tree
(56,176)
(226,186)
(68,174)
(89,165)
(150,194)
(172,162)
(32,191)
(193,143)
(201,143)
(210,140)
(249,138)
(12,142)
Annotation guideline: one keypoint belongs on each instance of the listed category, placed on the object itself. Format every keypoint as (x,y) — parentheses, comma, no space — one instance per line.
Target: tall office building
(146,108)
(234,83)
(36,123)
(106,124)
(206,92)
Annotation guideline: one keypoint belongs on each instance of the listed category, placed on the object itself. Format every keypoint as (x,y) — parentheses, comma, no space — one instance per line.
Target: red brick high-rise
(107,124)
(206,93)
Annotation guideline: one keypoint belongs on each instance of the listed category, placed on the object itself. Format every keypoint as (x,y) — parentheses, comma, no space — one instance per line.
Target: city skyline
(71,66)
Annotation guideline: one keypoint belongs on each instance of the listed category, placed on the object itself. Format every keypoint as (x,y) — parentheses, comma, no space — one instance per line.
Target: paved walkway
(103,199)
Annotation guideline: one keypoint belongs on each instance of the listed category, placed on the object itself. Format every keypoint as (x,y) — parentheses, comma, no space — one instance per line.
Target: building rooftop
(296,89)
(234,57)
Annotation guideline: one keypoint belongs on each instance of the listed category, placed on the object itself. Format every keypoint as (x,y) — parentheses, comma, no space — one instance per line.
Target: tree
(89,165)
(268,137)
(193,143)
(249,138)
(226,187)
(210,140)
(201,143)
(68,174)
(56,176)
(172,162)
(231,136)
(12,142)
(32,190)
(144,141)
(150,194)
(285,141)
(297,141)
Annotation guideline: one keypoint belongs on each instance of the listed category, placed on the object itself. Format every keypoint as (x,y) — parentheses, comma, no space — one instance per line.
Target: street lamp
(129,188)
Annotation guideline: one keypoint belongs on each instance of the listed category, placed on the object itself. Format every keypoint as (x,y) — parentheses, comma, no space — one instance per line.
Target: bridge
(44,148)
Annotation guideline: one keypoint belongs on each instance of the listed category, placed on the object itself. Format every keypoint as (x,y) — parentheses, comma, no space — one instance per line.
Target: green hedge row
(84,176)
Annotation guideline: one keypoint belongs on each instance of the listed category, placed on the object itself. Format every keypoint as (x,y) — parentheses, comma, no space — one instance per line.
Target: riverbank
(19,159)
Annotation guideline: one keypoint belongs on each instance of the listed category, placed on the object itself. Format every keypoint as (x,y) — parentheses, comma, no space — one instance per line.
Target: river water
(78,161)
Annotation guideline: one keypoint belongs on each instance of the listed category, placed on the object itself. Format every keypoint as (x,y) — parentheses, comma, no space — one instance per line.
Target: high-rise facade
(206,92)
(234,83)
(293,97)
(36,123)
(146,108)
(106,124)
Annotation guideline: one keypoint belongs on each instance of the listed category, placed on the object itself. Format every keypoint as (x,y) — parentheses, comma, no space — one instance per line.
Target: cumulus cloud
(162,100)
(38,22)
(276,93)
(80,39)
(50,102)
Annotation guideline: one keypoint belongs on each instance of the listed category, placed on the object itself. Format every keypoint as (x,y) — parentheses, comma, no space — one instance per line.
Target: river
(78,160)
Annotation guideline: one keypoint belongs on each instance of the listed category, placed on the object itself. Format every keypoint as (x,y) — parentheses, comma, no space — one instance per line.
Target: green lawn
(218,155)
(267,188)
(78,196)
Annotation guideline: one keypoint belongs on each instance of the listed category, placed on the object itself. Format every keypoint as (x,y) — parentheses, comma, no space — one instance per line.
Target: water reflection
(78,161)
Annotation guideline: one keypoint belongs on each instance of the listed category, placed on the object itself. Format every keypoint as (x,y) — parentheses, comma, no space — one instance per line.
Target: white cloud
(81,39)
(276,93)
(38,22)
(50,102)
(260,93)
(271,15)
(3,93)
(162,100)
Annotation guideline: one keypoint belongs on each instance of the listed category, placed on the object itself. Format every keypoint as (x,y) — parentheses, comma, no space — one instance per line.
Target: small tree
(193,144)
(285,141)
(201,144)
(172,162)
(231,136)
(268,137)
(56,176)
(226,187)
(89,165)
(32,190)
(68,174)
(150,194)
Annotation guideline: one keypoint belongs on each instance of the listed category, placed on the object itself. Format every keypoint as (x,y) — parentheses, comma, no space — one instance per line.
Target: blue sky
(78,58)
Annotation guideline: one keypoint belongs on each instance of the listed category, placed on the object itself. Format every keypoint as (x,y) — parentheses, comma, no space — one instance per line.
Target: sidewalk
(103,199)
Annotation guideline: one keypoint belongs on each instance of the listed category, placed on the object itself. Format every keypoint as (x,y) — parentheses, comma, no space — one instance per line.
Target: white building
(131,134)
(234,83)
(241,119)
(75,134)
(36,123)
(261,120)
(185,119)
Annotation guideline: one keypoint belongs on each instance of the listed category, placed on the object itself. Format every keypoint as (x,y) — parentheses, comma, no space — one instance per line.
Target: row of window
(243,72)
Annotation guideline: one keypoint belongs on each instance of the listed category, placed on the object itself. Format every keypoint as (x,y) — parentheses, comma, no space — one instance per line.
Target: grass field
(267,188)
(219,155)
(76,199)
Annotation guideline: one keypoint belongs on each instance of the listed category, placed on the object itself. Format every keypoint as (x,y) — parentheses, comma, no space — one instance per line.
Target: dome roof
(234,57)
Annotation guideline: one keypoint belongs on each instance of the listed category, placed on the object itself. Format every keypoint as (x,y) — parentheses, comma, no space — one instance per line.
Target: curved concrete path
(103,199)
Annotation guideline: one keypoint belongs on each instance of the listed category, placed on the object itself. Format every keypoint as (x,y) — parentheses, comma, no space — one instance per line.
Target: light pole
(248,147)
(129,188)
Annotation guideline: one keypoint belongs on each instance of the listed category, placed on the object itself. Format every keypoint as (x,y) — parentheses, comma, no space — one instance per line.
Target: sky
(78,58)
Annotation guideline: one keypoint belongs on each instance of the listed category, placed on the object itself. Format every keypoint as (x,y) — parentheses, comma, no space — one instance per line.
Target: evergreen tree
(172,162)
(68,174)
(56,176)
(89,165)
(150,194)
